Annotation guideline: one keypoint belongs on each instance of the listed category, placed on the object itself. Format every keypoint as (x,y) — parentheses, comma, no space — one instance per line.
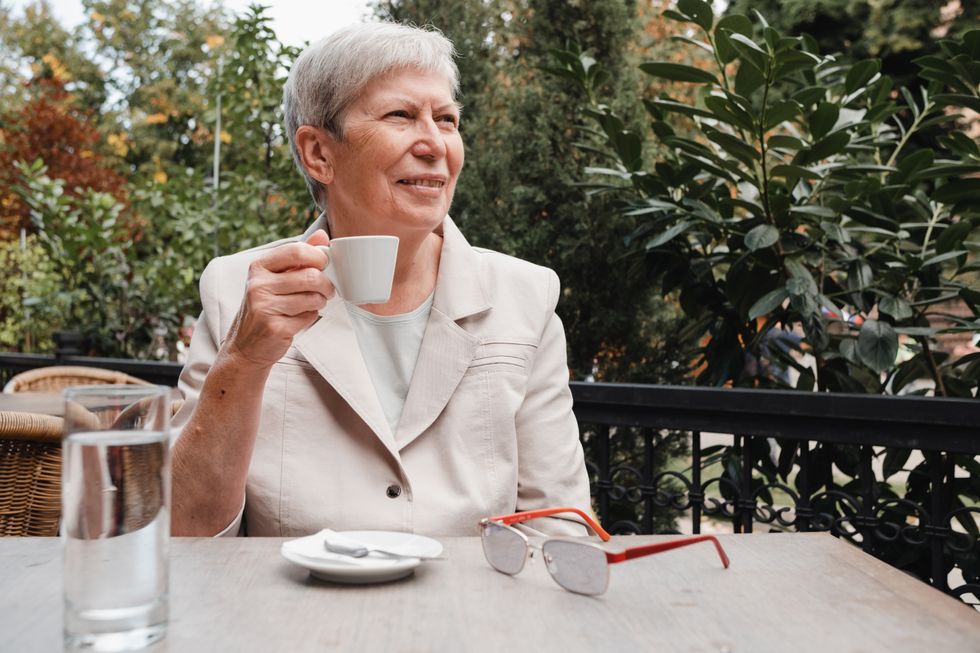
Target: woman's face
(395,170)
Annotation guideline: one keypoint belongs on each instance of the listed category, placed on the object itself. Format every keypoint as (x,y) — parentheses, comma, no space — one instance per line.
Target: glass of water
(115,531)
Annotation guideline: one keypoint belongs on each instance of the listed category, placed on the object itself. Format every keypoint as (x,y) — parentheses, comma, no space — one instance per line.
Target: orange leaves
(48,127)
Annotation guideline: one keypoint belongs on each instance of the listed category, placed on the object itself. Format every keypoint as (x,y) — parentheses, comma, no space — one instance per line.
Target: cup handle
(328,271)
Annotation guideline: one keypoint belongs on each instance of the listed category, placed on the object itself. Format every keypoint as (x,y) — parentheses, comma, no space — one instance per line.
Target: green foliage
(156,64)
(165,65)
(797,199)
(107,281)
(30,306)
(894,31)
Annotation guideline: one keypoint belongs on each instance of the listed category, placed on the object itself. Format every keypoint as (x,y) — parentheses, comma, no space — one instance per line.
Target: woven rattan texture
(59,377)
(30,474)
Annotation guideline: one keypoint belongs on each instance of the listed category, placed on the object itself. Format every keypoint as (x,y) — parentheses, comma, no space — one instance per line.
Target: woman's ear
(313,144)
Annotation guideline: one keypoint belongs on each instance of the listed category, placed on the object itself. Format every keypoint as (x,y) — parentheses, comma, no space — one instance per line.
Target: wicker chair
(30,474)
(59,377)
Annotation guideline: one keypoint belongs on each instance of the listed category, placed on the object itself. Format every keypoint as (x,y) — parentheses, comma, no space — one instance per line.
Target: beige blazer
(487,426)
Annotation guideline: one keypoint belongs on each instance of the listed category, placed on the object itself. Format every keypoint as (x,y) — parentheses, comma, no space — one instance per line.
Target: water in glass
(115,531)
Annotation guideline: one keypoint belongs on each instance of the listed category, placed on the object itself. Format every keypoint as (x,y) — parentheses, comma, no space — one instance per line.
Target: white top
(390,347)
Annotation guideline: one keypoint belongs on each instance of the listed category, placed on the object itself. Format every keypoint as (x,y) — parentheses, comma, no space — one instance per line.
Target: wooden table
(786,592)
(45,403)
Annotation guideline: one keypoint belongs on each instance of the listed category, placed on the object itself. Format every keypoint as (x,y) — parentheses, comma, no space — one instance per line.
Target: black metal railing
(790,461)
(793,461)
(162,372)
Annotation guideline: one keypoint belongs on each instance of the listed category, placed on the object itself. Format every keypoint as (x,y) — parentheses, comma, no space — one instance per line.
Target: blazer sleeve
(551,467)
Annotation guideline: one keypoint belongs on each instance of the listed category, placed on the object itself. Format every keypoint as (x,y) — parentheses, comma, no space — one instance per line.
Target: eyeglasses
(578,566)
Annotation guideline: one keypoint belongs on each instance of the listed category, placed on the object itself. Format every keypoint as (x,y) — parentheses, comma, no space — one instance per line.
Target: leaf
(859,276)
(676,15)
(797,286)
(680,107)
(833,144)
(764,235)
(788,62)
(793,174)
(971,102)
(953,236)
(667,236)
(848,349)
(787,453)
(750,51)
(860,74)
(912,369)
(741,151)
(823,119)
(939,258)
(699,11)
(810,95)
(897,307)
(726,111)
(768,303)
(895,460)
(835,232)
(957,191)
(781,112)
(877,345)
(734,23)
(917,331)
(629,147)
(783,142)
(677,72)
(748,79)
(813,209)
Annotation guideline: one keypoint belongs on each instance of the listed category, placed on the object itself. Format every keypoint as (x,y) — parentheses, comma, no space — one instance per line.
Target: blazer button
(394,491)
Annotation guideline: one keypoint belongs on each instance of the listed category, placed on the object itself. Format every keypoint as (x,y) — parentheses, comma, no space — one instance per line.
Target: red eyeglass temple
(628,554)
(650,549)
(519,517)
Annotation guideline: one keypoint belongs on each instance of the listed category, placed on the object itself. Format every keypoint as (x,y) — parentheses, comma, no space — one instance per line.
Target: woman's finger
(295,304)
(295,281)
(288,257)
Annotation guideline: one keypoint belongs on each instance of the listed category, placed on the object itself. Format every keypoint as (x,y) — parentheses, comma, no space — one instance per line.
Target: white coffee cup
(362,268)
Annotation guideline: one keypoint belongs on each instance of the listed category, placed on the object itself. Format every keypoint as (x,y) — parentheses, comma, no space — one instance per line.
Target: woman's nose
(429,141)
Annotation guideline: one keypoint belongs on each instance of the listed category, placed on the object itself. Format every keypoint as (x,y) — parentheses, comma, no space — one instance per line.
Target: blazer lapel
(447,349)
(445,354)
(330,345)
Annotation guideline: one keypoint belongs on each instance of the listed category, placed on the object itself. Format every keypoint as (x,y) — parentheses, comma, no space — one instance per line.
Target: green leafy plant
(30,308)
(798,202)
(106,279)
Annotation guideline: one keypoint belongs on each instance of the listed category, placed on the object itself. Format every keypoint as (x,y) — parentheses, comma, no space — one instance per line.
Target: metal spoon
(356,550)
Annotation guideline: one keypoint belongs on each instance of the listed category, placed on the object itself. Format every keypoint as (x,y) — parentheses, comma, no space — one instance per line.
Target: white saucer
(309,552)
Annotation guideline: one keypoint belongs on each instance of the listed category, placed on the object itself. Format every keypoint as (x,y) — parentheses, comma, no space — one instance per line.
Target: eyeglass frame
(630,553)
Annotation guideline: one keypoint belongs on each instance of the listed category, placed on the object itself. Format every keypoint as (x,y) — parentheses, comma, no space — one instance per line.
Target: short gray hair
(329,75)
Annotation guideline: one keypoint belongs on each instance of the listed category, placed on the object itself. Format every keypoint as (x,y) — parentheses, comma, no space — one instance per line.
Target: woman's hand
(285,290)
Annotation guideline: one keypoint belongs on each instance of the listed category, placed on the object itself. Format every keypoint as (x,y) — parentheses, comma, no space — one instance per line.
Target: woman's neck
(416,270)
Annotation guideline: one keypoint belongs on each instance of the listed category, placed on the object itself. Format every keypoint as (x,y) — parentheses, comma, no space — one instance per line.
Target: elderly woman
(446,404)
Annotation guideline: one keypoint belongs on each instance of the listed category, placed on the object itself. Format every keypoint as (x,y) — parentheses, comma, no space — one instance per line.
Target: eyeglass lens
(577,567)
(504,549)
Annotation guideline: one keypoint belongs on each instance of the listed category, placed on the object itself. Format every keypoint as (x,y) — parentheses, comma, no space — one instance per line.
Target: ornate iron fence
(796,461)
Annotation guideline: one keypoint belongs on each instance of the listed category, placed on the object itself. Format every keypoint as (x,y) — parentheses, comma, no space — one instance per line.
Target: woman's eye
(451,119)
(399,114)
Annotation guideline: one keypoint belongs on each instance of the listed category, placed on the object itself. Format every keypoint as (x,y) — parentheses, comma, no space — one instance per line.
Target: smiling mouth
(427,183)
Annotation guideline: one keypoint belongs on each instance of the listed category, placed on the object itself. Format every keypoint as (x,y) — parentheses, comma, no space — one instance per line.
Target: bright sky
(294,21)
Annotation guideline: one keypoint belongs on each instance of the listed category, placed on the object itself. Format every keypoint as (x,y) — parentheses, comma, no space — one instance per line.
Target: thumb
(319,237)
